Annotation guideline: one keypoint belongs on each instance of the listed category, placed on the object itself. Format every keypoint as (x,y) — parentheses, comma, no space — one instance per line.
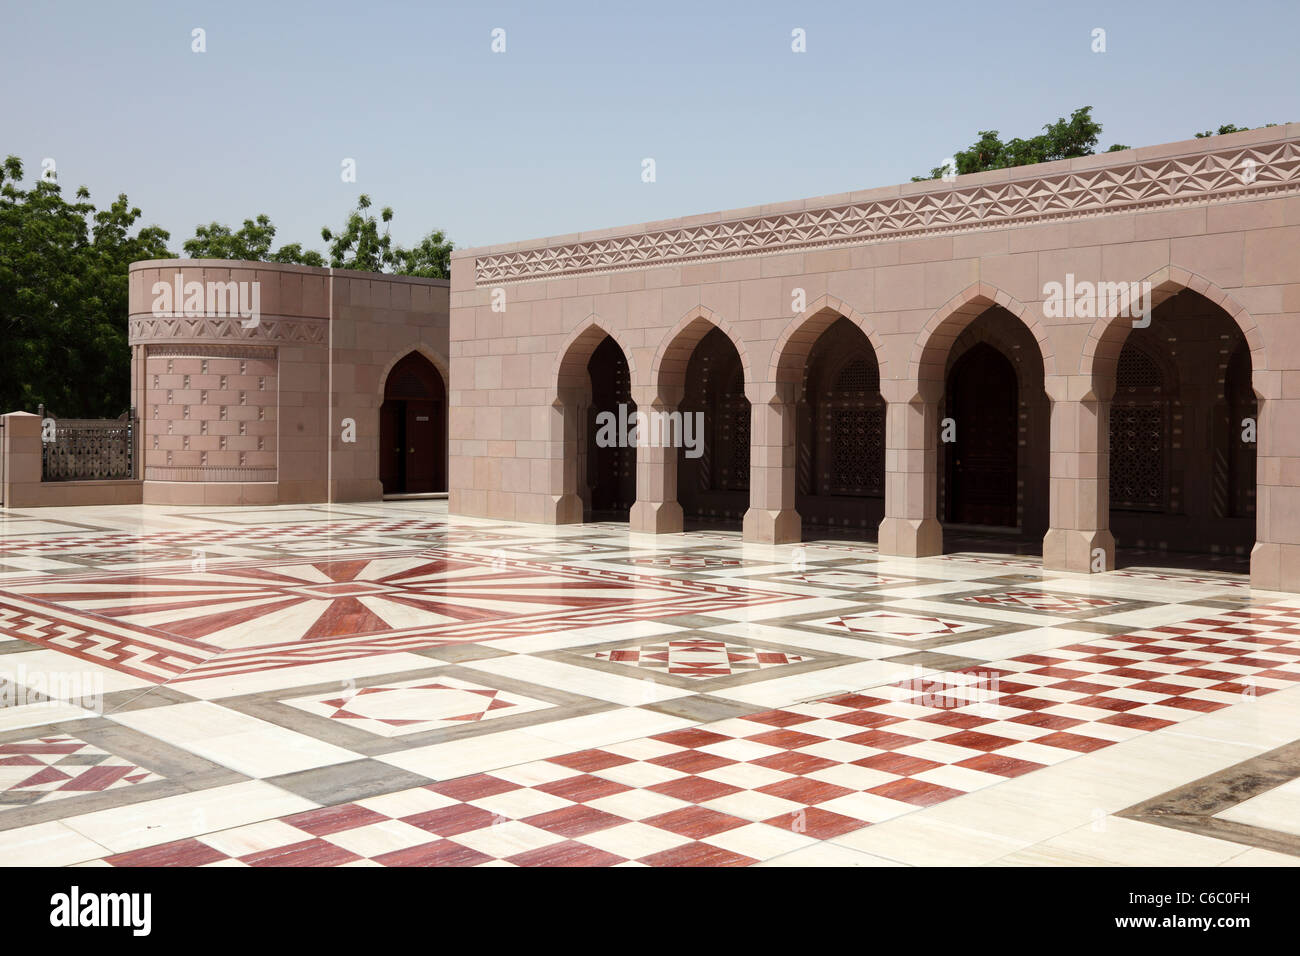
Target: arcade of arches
(1180,454)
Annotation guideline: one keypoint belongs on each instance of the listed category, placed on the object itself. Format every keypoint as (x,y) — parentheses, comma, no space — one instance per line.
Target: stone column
(772,518)
(910,527)
(656,510)
(564,452)
(1275,560)
(1078,537)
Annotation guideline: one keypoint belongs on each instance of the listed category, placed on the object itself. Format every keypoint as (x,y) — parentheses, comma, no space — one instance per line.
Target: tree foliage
(252,242)
(1064,139)
(361,245)
(364,243)
(63,296)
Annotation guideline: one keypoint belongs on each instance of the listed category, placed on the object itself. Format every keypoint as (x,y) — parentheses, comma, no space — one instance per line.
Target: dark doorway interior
(413,429)
(840,443)
(981,475)
(611,469)
(713,488)
(1182,449)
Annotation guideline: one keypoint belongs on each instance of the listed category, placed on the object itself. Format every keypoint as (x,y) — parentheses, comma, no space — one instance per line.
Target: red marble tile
(974,740)
(589,760)
(179,853)
(778,718)
(574,821)
(882,740)
(1191,703)
(691,761)
(1001,765)
(696,854)
(787,739)
(904,765)
(1102,702)
(448,821)
(804,790)
(315,852)
(793,761)
(916,792)
(693,789)
(1047,721)
(1075,742)
(1136,722)
(691,737)
(956,719)
(817,823)
(582,788)
(695,822)
(474,787)
(567,853)
(327,820)
(437,853)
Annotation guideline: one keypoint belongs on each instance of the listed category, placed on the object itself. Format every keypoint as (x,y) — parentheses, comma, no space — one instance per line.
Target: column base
(1065,549)
(910,537)
(773,527)
(566,509)
(655,517)
(1275,567)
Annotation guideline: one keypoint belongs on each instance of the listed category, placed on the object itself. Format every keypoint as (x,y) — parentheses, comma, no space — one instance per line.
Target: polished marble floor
(380,684)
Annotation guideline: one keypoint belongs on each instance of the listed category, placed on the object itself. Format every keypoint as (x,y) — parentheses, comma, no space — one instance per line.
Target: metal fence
(85,449)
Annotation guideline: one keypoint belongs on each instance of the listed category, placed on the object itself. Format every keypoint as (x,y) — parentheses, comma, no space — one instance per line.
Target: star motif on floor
(1039,601)
(699,657)
(411,706)
(48,768)
(893,624)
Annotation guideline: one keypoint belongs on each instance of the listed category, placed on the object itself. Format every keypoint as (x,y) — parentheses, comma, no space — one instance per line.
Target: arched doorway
(413,429)
(713,478)
(611,464)
(1182,429)
(840,436)
(994,429)
(981,463)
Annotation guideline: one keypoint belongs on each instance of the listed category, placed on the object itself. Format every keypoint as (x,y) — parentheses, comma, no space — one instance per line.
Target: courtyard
(384,684)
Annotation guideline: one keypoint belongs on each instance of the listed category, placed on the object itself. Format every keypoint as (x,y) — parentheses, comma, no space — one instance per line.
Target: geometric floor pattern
(698,657)
(382,684)
(60,766)
(723,794)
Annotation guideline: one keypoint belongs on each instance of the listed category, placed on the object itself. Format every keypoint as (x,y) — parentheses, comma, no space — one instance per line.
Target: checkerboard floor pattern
(742,790)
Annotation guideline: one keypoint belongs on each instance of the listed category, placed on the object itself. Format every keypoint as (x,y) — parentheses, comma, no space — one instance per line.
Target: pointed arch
(426,351)
(1106,338)
(570,368)
(930,350)
(675,349)
(790,353)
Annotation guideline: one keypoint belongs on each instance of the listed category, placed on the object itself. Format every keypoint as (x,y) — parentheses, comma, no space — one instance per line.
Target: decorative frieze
(1203,177)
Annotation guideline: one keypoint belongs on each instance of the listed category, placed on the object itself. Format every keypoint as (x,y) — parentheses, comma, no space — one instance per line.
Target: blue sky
(549,137)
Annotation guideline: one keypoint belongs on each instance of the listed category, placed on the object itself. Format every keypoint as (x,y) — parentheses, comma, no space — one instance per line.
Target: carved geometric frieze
(1205,177)
(148,328)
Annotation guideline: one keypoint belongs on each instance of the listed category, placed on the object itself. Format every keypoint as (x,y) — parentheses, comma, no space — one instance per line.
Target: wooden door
(983,400)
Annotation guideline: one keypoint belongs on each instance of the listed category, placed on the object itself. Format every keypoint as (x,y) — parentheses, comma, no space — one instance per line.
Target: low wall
(23,487)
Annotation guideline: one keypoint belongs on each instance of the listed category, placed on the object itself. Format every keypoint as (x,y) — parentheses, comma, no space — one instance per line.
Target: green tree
(63,296)
(251,242)
(361,245)
(1064,139)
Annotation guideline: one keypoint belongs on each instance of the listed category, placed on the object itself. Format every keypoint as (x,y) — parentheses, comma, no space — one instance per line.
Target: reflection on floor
(379,684)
